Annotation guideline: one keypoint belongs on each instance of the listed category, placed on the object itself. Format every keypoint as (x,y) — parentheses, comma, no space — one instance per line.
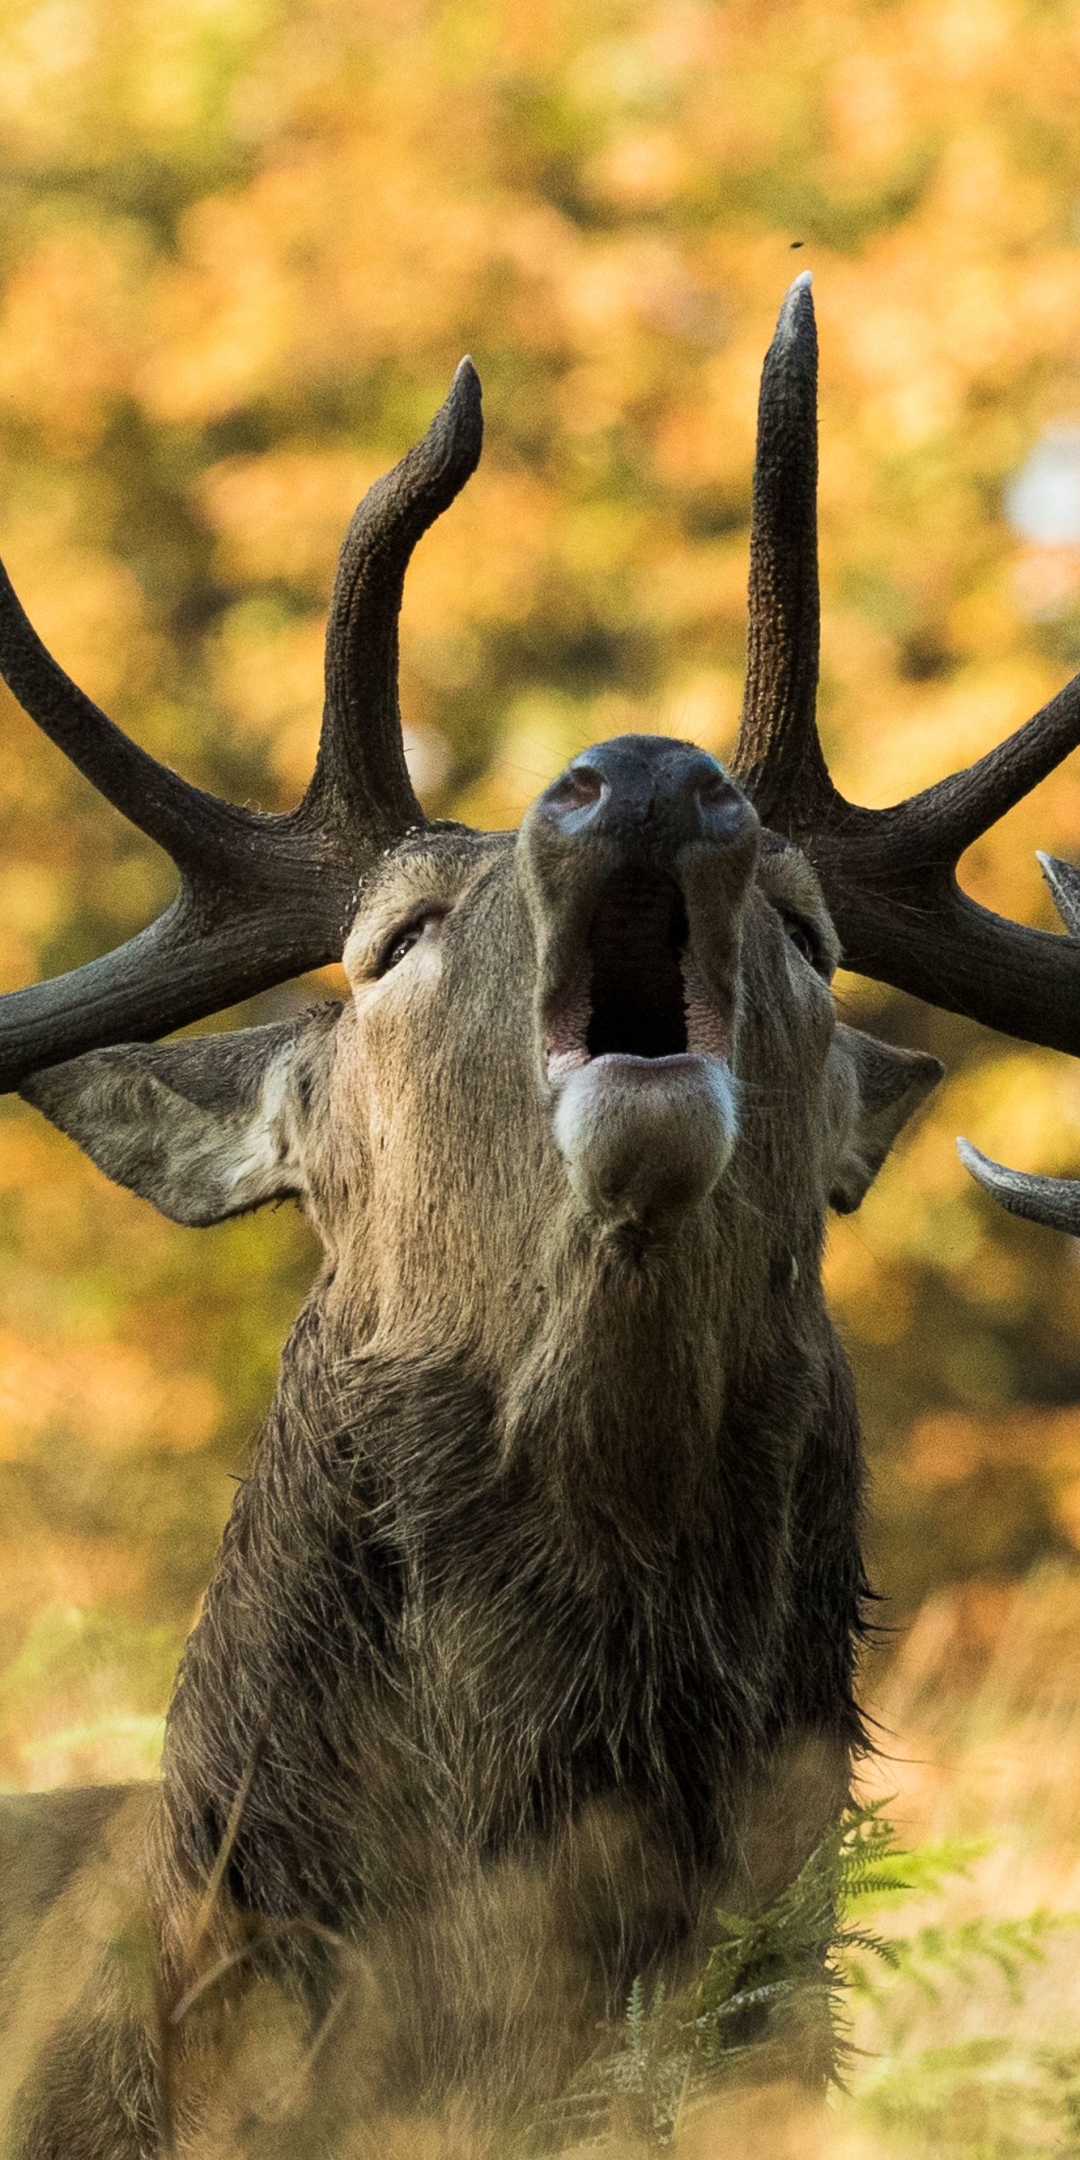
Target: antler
(889,875)
(261,897)
(1053,1201)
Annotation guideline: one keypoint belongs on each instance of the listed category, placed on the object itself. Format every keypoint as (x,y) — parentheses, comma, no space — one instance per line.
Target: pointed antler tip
(793,352)
(1052,1201)
(796,317)
(1063,879)
(462,413)
(466,395)
(1053,866)
(466,377)
(1004,1186)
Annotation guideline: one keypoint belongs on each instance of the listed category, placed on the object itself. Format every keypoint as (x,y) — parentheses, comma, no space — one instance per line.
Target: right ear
(883,1087)
(204,1128)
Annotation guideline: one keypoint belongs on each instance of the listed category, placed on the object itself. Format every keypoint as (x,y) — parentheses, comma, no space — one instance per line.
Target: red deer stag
(531,1639)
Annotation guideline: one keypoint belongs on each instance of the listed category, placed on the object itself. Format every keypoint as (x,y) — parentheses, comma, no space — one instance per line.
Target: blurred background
(243,244)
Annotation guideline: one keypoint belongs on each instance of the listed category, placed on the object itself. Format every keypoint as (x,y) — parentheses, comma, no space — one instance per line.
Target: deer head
(609,1033)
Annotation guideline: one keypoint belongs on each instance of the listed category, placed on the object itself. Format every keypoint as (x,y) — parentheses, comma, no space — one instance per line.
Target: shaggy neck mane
(409,1656)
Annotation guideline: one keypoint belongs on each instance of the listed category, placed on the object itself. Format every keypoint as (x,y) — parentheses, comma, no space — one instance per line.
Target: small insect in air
(796,243)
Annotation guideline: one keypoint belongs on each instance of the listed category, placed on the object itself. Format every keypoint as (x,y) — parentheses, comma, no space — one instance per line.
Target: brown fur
(532,1634)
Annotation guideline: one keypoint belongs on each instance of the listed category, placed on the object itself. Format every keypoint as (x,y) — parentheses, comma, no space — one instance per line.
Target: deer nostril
(714,790)
(725,813)
(577,789)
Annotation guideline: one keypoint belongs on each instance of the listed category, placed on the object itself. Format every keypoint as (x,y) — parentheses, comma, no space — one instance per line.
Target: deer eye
(804,934)
(401,941)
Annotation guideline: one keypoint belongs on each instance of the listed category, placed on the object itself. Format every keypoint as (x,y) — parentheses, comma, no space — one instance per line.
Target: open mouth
(640,996)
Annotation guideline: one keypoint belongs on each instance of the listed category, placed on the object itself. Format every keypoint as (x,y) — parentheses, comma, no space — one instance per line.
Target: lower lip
(642,1137)
(636,1071)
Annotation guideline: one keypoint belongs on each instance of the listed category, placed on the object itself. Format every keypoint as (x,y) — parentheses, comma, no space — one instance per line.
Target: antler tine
(361,777)
(193,827)
(778,755)
(954,812)
(1064,883)
(261,897)
(941,946)
(1053,1201)
(888,875)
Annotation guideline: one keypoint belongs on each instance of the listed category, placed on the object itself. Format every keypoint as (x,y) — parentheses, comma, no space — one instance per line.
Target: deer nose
(648,796)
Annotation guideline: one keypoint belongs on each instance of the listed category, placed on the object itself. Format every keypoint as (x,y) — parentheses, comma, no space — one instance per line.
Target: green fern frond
(773,1982)
(935,1953)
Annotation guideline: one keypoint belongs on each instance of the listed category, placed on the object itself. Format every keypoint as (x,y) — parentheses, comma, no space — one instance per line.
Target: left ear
(203,1128)
(878,1088)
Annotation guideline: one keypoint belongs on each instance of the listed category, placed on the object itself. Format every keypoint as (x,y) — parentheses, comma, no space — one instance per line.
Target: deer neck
(610,1358)
(421,1568)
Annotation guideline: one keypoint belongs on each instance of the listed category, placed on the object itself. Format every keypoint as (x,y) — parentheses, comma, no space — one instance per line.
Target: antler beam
(261,897)
(889,875)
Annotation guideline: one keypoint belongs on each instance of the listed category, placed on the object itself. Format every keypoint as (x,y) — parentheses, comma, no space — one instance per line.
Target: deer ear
(204,1128)
(882,1087)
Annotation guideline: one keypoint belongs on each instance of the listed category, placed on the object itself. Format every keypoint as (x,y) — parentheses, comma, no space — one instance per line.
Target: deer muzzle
(636,864)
